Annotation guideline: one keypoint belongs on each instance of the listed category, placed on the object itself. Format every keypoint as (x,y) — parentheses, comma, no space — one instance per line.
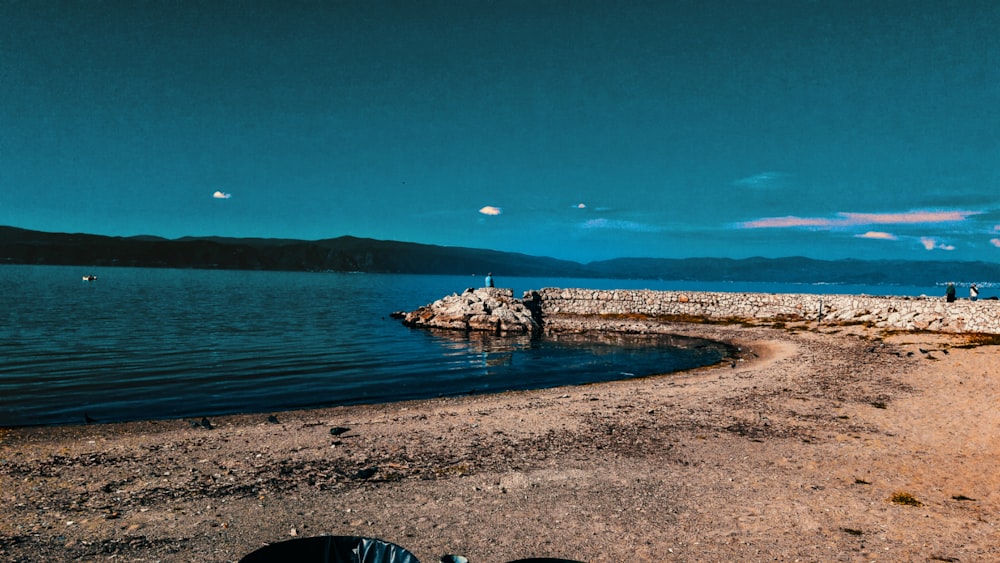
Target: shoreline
(725,350)
(791,454)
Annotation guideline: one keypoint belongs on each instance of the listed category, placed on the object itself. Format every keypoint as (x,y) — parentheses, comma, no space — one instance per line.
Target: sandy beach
(822,443)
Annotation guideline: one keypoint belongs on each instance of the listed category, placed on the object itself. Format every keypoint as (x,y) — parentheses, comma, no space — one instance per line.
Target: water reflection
(593,356)
(482,348)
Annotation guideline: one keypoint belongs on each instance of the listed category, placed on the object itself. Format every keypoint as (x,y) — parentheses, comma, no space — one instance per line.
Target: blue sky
(579,130)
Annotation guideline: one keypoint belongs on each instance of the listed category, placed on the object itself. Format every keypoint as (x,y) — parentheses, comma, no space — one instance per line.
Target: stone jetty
(557,309)
(490,309)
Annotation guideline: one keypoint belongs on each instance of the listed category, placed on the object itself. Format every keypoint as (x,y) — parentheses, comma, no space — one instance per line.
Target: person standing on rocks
(949,294)
(973,292)
(489,279)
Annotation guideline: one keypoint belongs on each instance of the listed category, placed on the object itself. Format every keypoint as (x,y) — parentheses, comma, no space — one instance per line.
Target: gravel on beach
(821,443)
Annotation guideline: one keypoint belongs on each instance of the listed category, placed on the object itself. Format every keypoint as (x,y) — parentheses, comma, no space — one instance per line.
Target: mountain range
(352,254)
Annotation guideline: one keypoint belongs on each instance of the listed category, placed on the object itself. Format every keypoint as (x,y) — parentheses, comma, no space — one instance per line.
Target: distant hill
(351,254)
(342,254)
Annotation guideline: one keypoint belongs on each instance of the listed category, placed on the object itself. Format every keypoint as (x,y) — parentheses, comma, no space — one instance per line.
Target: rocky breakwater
(562,306)
(490,309)
(644,311)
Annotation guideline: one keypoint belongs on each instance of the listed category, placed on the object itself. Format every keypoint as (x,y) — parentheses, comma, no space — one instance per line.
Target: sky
(578,130)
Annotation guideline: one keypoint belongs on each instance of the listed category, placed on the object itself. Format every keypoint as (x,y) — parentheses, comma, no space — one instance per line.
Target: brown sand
(791,455)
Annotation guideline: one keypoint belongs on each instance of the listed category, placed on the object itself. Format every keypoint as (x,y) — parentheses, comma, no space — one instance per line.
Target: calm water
(158,343)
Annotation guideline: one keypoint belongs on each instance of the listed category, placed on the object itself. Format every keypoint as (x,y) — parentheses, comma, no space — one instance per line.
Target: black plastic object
(331,549)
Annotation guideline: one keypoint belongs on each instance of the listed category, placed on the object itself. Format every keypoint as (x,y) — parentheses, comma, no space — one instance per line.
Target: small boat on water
(90,277)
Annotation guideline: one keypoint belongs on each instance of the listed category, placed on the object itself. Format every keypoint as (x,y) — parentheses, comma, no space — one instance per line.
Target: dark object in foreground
(352,549)
(331,549)
(203,423)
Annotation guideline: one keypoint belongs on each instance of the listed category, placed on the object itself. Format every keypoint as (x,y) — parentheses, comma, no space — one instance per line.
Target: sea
(146,343)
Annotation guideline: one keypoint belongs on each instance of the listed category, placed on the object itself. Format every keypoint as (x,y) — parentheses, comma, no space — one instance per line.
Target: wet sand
(794,453)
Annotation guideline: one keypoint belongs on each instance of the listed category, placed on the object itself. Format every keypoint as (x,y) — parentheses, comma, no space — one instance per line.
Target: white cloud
(619,225)
(877,235)
(762,180)
(847,219)
(491,210)
(221,195)
(931,243)
(995,242)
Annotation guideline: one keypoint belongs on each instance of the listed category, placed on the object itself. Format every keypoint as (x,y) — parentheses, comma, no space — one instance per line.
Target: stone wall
(906,313)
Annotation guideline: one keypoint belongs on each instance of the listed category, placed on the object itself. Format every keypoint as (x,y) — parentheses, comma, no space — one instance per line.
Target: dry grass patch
(980,339)
(904,498)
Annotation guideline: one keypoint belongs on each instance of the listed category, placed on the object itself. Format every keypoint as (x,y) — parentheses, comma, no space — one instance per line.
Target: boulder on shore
(490,309)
